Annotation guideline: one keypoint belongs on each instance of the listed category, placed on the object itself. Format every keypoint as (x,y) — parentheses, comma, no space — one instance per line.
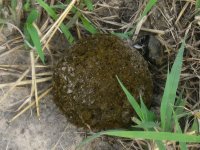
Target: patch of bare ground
(28,117)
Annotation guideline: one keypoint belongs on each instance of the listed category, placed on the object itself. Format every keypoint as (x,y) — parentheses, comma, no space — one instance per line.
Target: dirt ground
(28,132)
(52,130)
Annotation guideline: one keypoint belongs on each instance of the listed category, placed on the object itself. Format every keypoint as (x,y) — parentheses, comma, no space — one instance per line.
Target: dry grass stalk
(14,85)
(12,67)
(34,84)
(181,12)
(11,50)
(49,73)
(58,22)
(155,31)
(45,25)
(10,70)
(138,27)
(26,100)
(31,105)
(15,27)
(20,83)
(40,34)
(53,29)
(54,147)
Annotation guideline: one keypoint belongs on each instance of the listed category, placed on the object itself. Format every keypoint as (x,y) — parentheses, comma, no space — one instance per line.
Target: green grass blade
(58,6)
(170,90)
(27,5)
(48,9)
(73,19)
(195,126)
(148,135)
(183,145)
(125,35)
(147,114)
(136,120)
(160,145)
(179,110)
(147,125)
(197,5)
(52,13)
(89,139)
(89,5)
(32,16)
(67,33)
(32,34)
(131,100)
(148,7)
(153,135)
(36,40)
(13,4)
(88,25)
(27,37)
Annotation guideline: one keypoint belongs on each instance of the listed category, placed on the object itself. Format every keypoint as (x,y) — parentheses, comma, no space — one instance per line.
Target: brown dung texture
(85,84)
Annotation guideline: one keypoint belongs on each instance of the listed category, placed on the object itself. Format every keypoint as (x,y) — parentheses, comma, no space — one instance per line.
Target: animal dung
(85,84)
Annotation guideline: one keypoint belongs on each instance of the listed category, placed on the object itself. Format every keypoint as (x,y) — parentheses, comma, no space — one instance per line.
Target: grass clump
(32,36)
(135,29)
(169,129)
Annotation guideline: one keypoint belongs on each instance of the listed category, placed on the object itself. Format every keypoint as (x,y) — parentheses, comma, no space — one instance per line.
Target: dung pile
(85,84)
